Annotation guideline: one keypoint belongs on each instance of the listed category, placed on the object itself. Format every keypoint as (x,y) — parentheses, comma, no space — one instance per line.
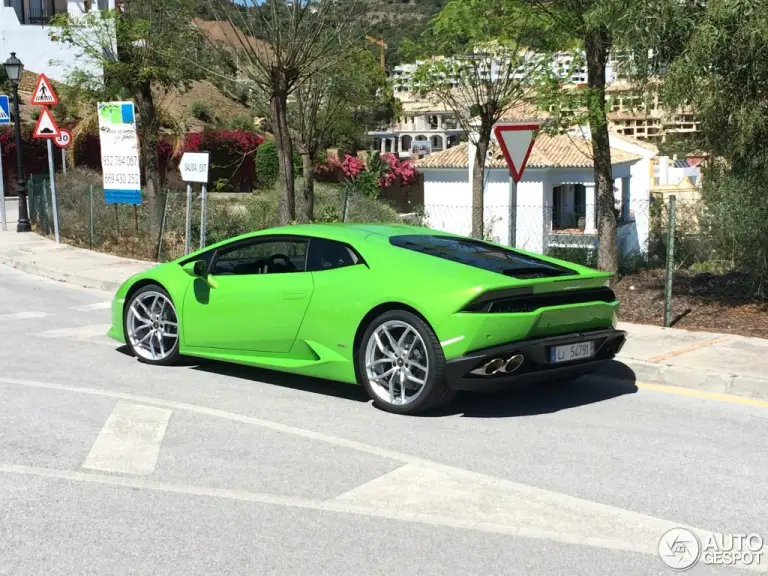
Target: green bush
(581,256)
(201,111)
(267,167)
(242,122)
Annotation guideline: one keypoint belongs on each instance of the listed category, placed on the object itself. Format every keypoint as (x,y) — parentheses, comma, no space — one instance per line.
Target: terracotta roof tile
(560,151)
(636,141)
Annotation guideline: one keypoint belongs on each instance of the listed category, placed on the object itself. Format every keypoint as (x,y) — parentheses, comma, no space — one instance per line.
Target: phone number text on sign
(116,161)
(120,178)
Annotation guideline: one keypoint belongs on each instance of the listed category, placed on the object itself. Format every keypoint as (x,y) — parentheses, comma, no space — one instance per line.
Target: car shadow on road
(614,380)
(283,379)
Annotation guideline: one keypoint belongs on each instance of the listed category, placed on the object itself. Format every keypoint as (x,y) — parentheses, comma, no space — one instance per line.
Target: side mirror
(200,269)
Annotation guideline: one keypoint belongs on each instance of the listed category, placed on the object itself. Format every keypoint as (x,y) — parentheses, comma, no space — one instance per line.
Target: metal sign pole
(189,219)
(2,196)
(203,215)
(64,160)
(512,215)
(53,192)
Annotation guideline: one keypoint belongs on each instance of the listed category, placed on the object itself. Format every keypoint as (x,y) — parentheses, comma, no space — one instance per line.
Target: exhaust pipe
(513,363)
(490,368)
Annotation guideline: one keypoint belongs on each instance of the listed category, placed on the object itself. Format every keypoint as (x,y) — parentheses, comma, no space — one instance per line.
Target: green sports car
(410,313)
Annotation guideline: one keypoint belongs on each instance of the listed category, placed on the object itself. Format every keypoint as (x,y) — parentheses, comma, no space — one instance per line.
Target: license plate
(569,352)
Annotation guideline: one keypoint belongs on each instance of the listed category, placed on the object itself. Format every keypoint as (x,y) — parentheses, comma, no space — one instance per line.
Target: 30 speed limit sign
(64,139)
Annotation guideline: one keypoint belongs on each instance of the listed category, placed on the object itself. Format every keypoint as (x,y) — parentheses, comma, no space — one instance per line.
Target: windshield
(480,255)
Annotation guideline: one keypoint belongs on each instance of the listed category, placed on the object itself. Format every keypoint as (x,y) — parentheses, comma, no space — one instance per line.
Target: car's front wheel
(151,326)
(401,364)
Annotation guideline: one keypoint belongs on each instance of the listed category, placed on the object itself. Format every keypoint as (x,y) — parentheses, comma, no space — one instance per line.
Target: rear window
(480,255)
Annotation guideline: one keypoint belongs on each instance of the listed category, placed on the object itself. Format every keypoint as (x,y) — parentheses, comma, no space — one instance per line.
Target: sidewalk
(719,363)
(37,255)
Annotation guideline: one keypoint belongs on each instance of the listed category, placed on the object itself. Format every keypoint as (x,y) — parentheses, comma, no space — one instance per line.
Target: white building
(24,29)
(425,127)
(555,205)
(567,66)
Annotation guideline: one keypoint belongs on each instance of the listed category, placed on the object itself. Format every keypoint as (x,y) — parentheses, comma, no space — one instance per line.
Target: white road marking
(76,333)
(23,315)
(130,441)
(89,307)
(514,528)
(442,492)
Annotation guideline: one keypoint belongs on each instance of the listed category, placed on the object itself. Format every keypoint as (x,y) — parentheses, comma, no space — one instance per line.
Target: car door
(257,300)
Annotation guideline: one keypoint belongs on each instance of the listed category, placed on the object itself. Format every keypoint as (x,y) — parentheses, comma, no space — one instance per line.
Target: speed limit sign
(64,138)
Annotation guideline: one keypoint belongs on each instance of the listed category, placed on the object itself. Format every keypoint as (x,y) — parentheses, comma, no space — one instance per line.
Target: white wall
(448,204)
(632,237)
(37,51)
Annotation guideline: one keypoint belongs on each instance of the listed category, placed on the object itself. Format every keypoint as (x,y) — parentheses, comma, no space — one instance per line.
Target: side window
(327,255)
(262,257)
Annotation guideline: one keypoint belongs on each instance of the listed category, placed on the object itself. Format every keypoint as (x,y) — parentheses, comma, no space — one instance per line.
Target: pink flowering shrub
(382,171)
(403,170)
(352,166)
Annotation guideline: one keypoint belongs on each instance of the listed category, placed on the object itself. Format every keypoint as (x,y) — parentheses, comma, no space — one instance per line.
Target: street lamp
(13,69)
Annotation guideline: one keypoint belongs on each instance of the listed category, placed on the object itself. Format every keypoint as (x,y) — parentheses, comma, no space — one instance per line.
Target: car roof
(349,230)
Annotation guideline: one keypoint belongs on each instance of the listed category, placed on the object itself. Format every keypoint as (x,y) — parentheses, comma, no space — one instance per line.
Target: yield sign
(44,94)
(516,142)
(46,126)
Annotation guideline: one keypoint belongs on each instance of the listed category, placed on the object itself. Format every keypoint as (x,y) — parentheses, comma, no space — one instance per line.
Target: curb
(684,377)
(60,276)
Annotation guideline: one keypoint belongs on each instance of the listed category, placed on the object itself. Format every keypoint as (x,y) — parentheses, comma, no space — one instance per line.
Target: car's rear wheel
(401,364)
(152,326)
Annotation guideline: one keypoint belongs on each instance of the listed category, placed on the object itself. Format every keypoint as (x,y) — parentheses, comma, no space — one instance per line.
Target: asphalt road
(108,466)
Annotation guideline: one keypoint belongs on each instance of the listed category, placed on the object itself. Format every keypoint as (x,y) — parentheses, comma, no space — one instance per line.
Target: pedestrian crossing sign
(44,94)
(5,109)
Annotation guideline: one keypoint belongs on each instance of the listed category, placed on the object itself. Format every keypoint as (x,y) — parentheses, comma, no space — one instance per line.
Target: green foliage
(154,44)
(267,167)
(474,33)
(242,122)
(365,184)
(338,107)
(720,71)
(266,164)
(201,111)
(582,256)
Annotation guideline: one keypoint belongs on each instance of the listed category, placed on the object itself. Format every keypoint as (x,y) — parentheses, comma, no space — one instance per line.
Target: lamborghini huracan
(412,314)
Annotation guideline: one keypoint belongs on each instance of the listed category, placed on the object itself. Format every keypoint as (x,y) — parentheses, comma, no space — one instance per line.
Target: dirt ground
(704,302)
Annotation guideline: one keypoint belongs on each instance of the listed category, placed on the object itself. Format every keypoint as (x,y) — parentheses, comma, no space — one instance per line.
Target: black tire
(173,357)
(435,392)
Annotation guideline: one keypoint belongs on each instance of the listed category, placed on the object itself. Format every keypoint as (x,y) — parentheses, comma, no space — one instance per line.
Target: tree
(583,20)
(280,45)
(631,27)
(143,47)
(353,85)
(473,34)
(720,70)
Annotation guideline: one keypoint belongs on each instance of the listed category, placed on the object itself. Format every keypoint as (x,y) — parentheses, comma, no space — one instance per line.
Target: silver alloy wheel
(397,362)
(152,326)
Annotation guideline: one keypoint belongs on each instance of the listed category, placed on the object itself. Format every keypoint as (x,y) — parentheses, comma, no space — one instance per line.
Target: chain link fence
(87,221)
(676,266)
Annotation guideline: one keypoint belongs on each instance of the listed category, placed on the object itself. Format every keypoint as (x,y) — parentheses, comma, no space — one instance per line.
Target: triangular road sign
(44,94)
(516,142)
(46,125)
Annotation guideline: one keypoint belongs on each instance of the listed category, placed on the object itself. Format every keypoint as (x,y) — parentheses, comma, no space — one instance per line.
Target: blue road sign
(5,109)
